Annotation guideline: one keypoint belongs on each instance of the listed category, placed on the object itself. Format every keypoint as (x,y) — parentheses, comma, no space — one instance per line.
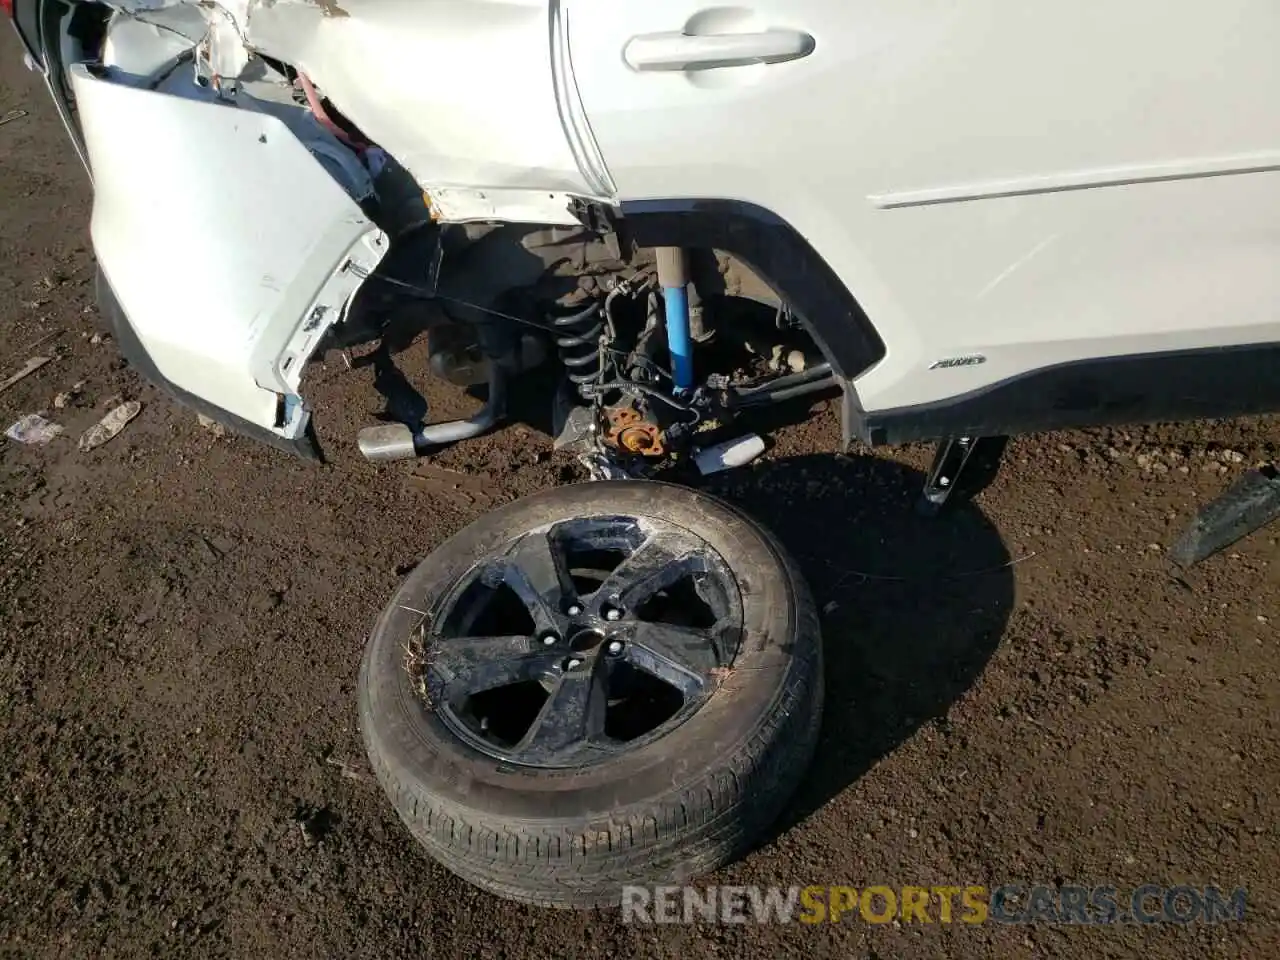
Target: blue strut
(674,278)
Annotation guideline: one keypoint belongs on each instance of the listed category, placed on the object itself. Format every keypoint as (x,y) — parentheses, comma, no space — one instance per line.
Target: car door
(1030,183)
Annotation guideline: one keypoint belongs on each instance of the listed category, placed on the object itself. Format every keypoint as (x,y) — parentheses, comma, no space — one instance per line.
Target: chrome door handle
(680,51)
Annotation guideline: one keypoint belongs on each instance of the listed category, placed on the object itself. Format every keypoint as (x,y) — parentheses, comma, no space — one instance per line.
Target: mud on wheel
(603,684)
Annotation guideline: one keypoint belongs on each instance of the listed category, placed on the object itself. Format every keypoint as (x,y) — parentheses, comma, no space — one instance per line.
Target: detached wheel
(604,684)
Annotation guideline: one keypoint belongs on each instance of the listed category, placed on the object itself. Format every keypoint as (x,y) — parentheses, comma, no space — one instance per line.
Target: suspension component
(578,340)
(673,276)
(628,429)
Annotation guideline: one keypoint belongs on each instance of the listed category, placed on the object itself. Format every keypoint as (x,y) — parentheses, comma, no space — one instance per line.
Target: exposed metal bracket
(970,463)
(948,463)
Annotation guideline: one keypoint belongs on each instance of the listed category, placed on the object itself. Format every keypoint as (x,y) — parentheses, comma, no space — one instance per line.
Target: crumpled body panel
(235,146)
(229,247)
(476,99)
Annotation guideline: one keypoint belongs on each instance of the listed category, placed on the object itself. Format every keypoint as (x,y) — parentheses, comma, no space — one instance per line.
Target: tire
(666,811)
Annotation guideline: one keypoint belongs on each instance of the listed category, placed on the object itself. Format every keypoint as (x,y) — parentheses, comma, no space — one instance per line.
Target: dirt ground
(1018,693)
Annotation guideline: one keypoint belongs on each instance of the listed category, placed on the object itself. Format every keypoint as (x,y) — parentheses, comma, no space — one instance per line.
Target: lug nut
(573,610)
(613,613)
(574,663)
(549,639)
(614,647)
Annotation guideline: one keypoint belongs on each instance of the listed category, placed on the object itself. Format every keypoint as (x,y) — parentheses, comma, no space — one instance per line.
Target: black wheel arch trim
(781,257)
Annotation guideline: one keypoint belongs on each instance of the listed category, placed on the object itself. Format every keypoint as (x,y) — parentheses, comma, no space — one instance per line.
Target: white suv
(965,220)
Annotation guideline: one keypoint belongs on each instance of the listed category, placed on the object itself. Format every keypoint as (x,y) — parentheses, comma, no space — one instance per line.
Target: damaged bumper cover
(230,249)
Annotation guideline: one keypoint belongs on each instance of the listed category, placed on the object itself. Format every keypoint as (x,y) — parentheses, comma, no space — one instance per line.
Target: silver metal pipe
(398,441)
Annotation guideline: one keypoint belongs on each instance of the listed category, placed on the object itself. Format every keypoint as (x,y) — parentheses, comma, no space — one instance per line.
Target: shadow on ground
(912,607)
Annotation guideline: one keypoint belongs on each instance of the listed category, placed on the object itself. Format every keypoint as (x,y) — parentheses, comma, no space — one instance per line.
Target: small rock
(265,601)
(1232,456)
(212,425)
(155,598)
(1154,547)
(913,833)
(1262,619)
(95,339)
(207,549)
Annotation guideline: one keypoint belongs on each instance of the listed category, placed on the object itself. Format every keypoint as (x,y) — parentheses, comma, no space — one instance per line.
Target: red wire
(317,108)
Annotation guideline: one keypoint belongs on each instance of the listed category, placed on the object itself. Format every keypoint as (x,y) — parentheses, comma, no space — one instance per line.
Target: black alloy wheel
(600,685)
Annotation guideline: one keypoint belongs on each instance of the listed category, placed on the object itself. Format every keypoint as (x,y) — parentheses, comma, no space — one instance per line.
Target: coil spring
(578,340)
